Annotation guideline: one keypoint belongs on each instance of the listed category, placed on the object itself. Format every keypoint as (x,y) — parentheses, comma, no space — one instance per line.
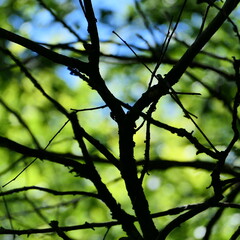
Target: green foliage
(180,168)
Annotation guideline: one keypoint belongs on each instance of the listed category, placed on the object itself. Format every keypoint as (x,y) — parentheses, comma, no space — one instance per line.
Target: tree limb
(49,54)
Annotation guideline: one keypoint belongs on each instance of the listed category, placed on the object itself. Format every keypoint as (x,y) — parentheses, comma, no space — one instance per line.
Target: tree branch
(49,54)
(43,154)
(48,190)
(173,76)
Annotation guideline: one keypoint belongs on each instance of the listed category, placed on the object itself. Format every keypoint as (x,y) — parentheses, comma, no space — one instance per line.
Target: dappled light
(119,120)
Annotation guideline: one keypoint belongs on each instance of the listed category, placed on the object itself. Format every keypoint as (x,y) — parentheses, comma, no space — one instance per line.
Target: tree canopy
(119,120)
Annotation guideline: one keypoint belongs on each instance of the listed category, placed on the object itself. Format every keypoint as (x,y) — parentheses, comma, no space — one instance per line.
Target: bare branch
(173,76)
(52,56)
(20,119)
(43,154)
(48,190)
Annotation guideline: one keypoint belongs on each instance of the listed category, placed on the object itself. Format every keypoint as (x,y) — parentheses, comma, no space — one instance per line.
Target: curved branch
(50,230)
(43,154)
(173,76)
(49,54)
(197,164)
(48,190)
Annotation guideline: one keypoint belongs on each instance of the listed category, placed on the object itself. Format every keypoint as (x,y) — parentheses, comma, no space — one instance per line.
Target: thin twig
(147,142)
(28,165)
(145,20)
(180,132)
(212,222)
(36,210)
(204,19)
(20,119)
(172,93)
(88,109)
(60,20)
(162,54)
(7,211)
(139,58)
(50,191)
(57,105)
(169,38)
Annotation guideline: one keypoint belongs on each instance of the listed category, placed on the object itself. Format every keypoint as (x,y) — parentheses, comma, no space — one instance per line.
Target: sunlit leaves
(206,91)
